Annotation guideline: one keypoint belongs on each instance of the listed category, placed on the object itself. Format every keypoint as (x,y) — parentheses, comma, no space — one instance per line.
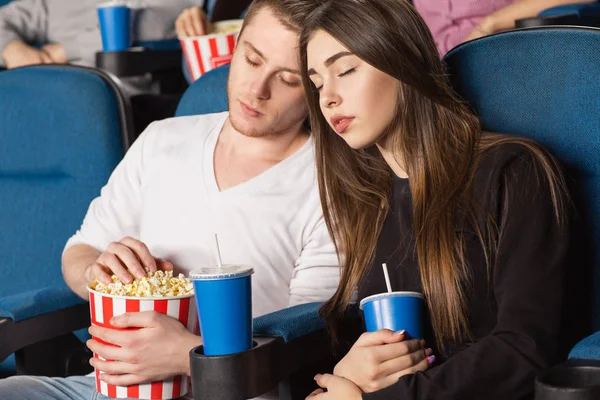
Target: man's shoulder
(191,124)
(177,130)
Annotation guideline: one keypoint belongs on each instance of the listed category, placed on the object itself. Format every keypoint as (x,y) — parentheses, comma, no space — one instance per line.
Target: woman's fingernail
(422,342)
(428,352)
(431,359)
(399,333)
(317,377)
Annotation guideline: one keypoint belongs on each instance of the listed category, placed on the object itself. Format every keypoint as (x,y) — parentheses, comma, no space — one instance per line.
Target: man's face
(266,95)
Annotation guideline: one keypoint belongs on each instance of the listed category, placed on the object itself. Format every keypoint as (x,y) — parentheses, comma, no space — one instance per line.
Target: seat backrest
(579,9)
(207,95)
(543,83)
(63,129)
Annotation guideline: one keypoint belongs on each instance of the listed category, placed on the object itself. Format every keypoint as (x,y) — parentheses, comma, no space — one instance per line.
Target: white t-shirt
(164,194)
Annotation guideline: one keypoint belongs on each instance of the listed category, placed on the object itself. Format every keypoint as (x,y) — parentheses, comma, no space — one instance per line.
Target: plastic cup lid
(380,296)
(113,3)
(224,272)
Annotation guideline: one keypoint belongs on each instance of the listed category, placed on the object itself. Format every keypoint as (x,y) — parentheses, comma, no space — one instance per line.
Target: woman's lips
(341,122)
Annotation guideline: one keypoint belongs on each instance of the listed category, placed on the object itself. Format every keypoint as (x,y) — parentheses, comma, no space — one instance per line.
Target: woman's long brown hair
(435,136)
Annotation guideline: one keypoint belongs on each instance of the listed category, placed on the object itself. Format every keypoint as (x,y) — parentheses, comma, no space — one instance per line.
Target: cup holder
(573,380)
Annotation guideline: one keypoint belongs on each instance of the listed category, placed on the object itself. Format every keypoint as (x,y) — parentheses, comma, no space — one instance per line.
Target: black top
(515,316)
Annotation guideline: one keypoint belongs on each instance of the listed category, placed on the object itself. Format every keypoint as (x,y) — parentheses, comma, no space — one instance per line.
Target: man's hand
(125,258)
(56,52)
(378,359)
(159,350)
(191,22)
(18,54)
(337,389)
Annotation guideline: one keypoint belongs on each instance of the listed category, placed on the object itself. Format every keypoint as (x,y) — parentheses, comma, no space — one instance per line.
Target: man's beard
(251,132)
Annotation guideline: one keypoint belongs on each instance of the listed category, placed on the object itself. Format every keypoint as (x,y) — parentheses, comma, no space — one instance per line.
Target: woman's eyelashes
(347,72)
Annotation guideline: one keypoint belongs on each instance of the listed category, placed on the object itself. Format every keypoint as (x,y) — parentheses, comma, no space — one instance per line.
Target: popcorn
(227,29)
(159,284)
(223,27)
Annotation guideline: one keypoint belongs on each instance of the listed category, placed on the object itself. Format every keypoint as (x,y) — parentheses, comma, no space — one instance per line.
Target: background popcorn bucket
(207,52)
(105,306)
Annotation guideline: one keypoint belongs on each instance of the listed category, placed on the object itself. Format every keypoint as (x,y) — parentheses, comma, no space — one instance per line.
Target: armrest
(570,380)
(285,342)
(31,317)
(587,348)
(139,61)
(574,14)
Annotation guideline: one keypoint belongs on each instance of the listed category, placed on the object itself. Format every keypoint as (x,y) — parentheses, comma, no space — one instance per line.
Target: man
(247,175)
(69,31)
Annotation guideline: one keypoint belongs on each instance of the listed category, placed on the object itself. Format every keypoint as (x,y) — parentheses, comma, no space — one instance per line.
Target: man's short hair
(290,13)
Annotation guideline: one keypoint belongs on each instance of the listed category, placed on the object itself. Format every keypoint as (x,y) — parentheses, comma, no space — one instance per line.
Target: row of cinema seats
(63,130)
(162,62)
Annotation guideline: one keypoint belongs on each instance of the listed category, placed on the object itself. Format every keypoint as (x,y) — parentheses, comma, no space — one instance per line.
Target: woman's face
(358,100)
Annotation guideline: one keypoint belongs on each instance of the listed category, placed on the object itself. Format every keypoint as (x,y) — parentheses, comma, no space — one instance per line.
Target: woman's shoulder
(511,163)
(503,154)
(500,151)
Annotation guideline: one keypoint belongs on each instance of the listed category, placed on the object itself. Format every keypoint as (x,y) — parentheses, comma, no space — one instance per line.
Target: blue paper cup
(395,311)
(224,304)
(115,26)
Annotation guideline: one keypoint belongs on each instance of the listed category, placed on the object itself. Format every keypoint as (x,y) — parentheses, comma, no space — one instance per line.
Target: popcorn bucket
(183,308)
(207,52)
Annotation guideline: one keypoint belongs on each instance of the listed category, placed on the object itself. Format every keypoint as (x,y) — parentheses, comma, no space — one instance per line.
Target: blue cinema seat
(63,130)
(206,95)
(575,14)
(579,9)
(543,83)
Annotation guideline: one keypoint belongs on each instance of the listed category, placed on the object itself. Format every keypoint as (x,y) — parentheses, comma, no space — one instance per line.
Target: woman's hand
(378,359)
(337,389)
(485,27)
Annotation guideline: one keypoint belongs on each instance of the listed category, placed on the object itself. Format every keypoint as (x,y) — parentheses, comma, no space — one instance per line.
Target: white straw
(218,251)
(387,278)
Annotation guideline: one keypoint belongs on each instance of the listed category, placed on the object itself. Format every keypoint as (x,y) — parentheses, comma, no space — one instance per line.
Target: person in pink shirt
(453,22)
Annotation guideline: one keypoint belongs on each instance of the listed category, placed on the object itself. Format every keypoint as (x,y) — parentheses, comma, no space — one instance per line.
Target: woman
(478,222)
(455,21)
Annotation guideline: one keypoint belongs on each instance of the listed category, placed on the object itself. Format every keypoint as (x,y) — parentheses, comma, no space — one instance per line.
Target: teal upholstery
(543,83)
(579,9)
(63,130)
(208,94)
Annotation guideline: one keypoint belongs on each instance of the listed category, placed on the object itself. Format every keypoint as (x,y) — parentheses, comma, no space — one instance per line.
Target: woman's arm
(505,17)
(527,281)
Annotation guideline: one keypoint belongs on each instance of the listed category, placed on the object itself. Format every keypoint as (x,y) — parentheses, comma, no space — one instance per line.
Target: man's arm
(22,22)
(76,267)
(108,241)
(155,19)
(317,273)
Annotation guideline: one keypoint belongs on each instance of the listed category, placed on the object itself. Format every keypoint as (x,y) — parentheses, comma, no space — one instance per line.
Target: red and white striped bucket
(183,308)
(207,52)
